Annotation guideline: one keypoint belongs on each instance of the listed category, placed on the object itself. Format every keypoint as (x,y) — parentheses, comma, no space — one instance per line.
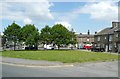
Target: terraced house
(109,38)
(83,39)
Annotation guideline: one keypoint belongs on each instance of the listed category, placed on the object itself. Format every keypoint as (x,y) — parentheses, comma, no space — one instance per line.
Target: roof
(85,35)
(118,30)
(109,30)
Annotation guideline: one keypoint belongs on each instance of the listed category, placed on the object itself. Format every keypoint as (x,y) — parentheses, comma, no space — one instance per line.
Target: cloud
(36,11)
(65,24)
(69,17)
(103,10)
(58,0)
(27,21)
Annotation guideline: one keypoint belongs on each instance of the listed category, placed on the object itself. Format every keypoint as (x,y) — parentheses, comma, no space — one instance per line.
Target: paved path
(29,62)
(56,69)
(103,69)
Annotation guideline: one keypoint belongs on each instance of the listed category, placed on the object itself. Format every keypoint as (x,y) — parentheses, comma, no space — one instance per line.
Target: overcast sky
(80,15)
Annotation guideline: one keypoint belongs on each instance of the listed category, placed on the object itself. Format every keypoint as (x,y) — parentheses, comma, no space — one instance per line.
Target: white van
(48,46)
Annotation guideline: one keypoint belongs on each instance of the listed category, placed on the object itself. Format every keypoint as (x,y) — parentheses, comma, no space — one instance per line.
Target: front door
(106,48)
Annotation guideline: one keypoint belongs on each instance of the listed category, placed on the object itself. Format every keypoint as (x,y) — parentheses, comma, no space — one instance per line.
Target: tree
(3,41)
(30,35)
(60,35)
(45,35)
(73,39)
(12,33)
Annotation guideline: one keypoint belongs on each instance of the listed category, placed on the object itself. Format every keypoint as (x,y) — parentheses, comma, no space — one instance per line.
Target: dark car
(31,48)
(97,49)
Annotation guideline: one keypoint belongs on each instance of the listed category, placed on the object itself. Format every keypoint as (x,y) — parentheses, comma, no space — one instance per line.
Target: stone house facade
(109,38)
(83,39)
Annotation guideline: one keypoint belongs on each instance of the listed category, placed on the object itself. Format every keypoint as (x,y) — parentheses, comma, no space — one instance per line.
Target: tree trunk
(58,47)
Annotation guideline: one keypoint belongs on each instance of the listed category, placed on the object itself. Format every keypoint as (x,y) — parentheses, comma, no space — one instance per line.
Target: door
(106,48)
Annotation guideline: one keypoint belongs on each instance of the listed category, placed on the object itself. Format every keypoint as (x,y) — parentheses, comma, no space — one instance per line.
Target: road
(104,69)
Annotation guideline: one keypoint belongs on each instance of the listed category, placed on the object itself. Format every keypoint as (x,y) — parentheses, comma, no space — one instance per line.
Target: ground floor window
(110,47)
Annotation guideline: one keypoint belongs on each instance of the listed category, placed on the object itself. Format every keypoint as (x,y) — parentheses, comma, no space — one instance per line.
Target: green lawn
(65,56)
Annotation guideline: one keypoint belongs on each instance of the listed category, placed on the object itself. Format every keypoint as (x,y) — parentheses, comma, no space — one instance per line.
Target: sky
(80,15)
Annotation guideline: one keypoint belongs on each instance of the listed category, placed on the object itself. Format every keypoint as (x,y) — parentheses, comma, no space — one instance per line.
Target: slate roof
(109,30)
(85,35)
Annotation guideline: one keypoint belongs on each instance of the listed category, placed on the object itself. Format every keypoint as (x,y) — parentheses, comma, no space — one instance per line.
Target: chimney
(115,24)
(88,32)
(95,32)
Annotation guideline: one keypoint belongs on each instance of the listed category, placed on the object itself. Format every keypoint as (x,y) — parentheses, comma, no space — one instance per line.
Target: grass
(65,56)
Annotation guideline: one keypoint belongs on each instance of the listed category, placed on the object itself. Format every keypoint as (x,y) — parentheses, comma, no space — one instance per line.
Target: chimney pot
(88,32)
(95,32)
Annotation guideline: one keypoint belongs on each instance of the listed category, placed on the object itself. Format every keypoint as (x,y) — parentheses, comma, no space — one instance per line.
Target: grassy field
(65,56)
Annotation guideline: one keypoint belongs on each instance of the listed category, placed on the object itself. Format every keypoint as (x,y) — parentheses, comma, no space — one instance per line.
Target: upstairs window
(110,38)
(105,37)
(116,35)
(98,39)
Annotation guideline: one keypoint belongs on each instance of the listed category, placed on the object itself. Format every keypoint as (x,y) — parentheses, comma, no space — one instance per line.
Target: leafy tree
(60,35)
(3,41)
(12,33)
(45,35)
(30,35)
(73,39)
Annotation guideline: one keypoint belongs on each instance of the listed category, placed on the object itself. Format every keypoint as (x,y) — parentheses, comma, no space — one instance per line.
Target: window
(105,37)
(98,39)
(110,38)
(110,46)
(88,39)
(116,35)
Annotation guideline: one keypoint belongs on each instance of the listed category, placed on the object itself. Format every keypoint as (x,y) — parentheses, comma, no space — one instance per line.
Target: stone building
(83,39)
(109,38)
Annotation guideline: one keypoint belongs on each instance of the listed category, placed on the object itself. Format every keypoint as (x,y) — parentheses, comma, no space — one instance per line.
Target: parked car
(48,47)
(87,46)
(31,48)
(70,46)
(80,46)
(97,49)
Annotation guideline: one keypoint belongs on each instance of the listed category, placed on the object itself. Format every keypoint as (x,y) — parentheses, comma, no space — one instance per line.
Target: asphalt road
(104,69)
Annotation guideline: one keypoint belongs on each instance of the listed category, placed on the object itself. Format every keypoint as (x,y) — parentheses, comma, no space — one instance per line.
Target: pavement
(101,69)
(15,67)
(27,62)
